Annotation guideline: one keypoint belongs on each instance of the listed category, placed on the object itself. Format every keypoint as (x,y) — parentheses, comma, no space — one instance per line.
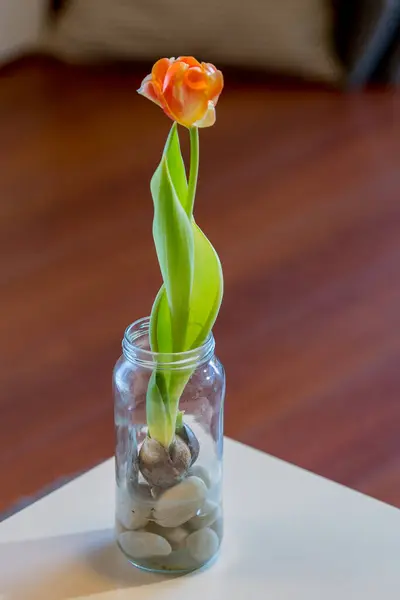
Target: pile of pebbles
(179,528)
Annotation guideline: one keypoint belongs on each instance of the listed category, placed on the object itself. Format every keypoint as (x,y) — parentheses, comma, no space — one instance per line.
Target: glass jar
(169,526)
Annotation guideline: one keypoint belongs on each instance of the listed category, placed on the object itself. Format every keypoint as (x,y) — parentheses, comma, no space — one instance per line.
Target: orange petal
(189,60)
(209,118)
(187,105)
(186,90)
(174,75)
(149,90)
(216,81)
(196,78)
(173,93)
(160,69)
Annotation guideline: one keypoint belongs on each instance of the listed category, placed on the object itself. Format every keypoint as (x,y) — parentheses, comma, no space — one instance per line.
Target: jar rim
(139,330)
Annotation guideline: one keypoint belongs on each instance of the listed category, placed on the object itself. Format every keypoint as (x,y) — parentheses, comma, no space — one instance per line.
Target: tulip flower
(185,89)
(188,302)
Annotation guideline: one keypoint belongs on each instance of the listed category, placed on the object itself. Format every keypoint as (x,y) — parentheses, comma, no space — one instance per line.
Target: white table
(290,535)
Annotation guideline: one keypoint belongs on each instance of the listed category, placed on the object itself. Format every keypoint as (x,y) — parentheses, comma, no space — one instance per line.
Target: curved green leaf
(188,302)
(160,422)
(160,324)
(176,166)
(160,320)
(207,290)
(205,300)
(173,238)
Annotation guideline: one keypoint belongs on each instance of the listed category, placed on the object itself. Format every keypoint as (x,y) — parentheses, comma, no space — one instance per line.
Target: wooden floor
(300,193)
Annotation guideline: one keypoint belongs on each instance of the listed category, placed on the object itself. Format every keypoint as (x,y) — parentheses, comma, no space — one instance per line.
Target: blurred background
(299,192)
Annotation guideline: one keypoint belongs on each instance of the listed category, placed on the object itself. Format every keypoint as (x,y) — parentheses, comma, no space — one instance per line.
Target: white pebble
(199,471)
(180,503)
(132,513)
(131,520)
(141,544)
(209,513)
(202,544)
(175,536)
(218,527)
(141,493)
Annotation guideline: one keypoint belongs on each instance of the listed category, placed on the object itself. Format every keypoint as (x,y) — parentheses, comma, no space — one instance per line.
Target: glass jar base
(165,565)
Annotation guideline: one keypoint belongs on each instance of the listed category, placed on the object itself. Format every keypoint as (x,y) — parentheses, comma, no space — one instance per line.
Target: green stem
(194,168)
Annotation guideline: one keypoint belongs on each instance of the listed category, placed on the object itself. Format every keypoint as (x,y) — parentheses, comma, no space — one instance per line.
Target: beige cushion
(290,36)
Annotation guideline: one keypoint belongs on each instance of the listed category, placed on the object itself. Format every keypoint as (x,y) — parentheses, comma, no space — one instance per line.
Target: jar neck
(136,349)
